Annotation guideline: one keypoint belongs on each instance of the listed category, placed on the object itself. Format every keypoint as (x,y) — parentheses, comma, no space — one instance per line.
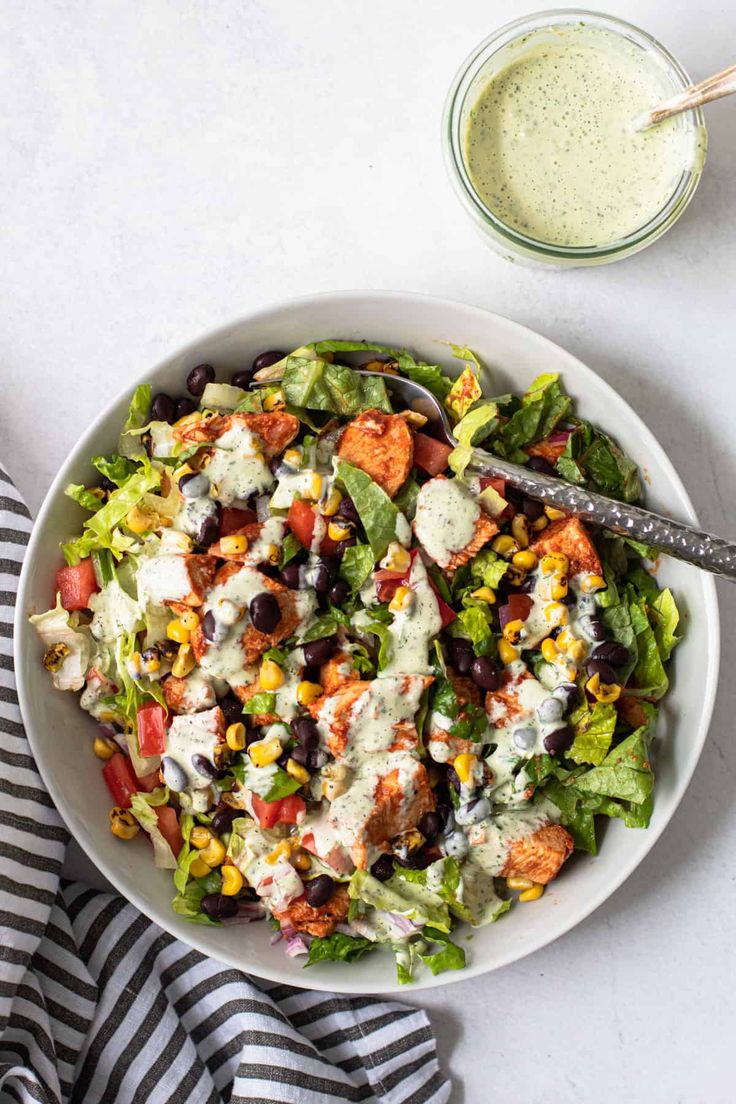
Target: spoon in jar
(712,88)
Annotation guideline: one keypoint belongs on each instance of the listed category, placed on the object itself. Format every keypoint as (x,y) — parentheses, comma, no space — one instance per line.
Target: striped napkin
(99,1004)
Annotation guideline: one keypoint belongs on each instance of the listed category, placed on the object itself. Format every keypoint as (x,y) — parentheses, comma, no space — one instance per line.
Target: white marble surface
(169,164)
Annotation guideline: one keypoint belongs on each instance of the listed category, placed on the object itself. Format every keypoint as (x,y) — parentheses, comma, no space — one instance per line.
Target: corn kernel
(151,661)
(176,631)
(123,824)
(519,883)
(331,504)
(282,851)
(199,868)
(338,532)
(214,491)
(507,653)
(264,752)
(520,530)
(273,555)
(314,488)
(589,583)
(235,736)
(505,546)
(232,881)
(104,747)
(601,691)
(234,545)
(553,513)
(302,861)
(402,599)
(307,692)
(184,662)
(541,523)
(484,594)
(464,766)
(556,613)
(270,675)
(577,651)
(558,587)
(397,557)
(514,576)
(214,853)
(296,770)
(200,836)
(549,650)
(526,560)
(554,563)
(532,894)
(274,401)
(564,639)
(512,631)
(189,620)
(293,457)
(140,520)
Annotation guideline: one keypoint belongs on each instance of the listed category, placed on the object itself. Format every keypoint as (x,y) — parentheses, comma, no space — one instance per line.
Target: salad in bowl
(342,684)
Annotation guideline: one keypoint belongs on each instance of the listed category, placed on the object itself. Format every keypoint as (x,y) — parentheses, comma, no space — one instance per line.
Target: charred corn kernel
(140,520)
(104,747)
(302,861)
(235,736)
(464,766)
(232,881)
(484,594)
(505,545)
(559,587)
(402,599)
(526,560)
(313,487)
(331,504)
(185,469)
(541,523)
(189,620)
(337,531)
(519,883)
(199,868)
(603,691)
(281,852)
(214,853)
(549,650)
(54,657)
(564,640)
(556,613)
(307,692)
(189,419)
(532,894)
(270,675)
(123,824)
(520,530)
(151,661)
(184,662)
(507,653)
(265,751)
(397,558)
(296,770)
(258,455)
(201,836)
(274,401)
(234,544)
(577,651)
(554,563)
(293,457)
(176,631)
(512,631)
(334,780)
(273,555)
(553,513)
(589,583)
(107,716)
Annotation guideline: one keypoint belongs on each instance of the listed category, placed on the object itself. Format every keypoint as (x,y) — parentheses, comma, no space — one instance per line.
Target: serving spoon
(674,538)
(712,88)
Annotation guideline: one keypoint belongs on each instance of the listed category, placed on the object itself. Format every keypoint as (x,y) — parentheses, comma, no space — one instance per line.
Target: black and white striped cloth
(99,1004)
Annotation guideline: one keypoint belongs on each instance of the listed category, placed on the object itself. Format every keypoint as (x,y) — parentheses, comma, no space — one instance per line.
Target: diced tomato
(168,824)
(148,782)
(429,454)
(232,519)
(152,729)
(120,779)
(76,585)
(285,811)
(301,519)
(519,606)
(499,485)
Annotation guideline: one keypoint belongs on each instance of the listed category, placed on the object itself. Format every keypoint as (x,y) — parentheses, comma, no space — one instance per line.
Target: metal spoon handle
(666,535)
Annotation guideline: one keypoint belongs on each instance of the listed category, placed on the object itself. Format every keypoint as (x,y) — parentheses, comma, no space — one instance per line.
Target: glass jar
(489,59)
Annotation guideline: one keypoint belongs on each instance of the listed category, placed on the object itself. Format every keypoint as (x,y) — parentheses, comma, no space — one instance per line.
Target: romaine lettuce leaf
(356,565)
(487,569)
(142,807)
(590,457)
(326,624)
(58,626)
(99,528)
(649,673)
(376,510)
(593,729)
(130,444)
(118,469)
(338,947)
(406,499)
(409,899)
(451,957)
(85,498)
(666,620)
(625,773)
(319,385)
(264,702)
(542,407)
(188,902)
(464,392)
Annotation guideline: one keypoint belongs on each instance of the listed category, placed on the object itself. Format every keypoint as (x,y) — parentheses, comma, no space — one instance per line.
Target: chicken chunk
(276,430)
(347,716)
(540,855)
(170,578)
(380,445)
(337,672)
(570,537)
(189,695)
(321,921)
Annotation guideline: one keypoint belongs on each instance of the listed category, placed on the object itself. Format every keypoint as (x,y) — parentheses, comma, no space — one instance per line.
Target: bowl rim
(584,907)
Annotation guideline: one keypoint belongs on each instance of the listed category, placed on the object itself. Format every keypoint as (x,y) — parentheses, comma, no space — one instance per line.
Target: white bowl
(61,735)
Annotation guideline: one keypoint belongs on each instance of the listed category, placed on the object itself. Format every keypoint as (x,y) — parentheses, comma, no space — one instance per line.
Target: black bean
(209,531)
(310,674)
(274,464)
(174,775)
(319,890)
(532,509)
(222,820)
(218,906)
(611,652)
(317,758)
(204,766)
(447,817)
(347,510)
(567,693)
(558,741)
(107,484)
(163,408)
(232,707)
(538,464)
(194,485)
(269,569)
(212,630)
(453,779)
(485,673)
(242,378)
(265,360)
(317,652)
(430,825)
(595,629)
(513,497)
(418,860)
(199,377)
(339,592)
(462,655)
(305,732)
(252,735)
(184,407)
(265,612)
(290,576)
(325,575)
(570,599)
(604,670)
(383,868)
(343,546)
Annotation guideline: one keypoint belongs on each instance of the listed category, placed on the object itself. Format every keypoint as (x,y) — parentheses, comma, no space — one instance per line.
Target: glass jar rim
(504,36)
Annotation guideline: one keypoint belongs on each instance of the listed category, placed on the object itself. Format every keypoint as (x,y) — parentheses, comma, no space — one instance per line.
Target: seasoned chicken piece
(337,672)
(447,515)
(191,694)
(485,530)
(275,430)
(380,445)
(546,450)
(367,717)
(569,536)
(321,921)
(540,855)
(504,705)
(171,578)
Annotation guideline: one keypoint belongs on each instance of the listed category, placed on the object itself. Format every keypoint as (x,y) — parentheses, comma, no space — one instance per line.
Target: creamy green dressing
(445,519)
(550,146)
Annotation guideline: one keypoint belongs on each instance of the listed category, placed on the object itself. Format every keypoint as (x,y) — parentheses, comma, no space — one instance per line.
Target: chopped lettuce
(542,407)
(188,902)
(263,702)
(282,786)
(290,548)
(593,459)
(406,499)
(99,529)
(430,376)
(481,421)
(142,806)
(338,947)
(487,569)
(326,624)
(593,729)
(356,565)
(666,619)
(625,773)
(649,674)
(473,624)
(85,498)
(450,957)
(319,385)
(118,469)
(465,391)
(130,444)
(250,403)
(409,899)
(58,626)
(376,510)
